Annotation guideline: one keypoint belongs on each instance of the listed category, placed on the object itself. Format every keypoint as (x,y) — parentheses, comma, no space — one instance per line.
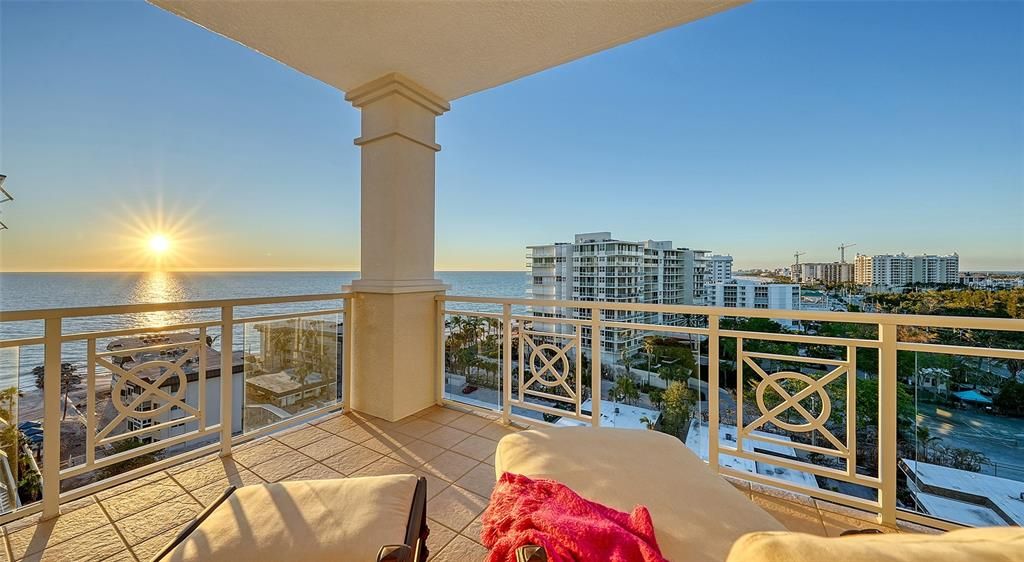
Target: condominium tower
(901,269)
(830,273)
(597,267)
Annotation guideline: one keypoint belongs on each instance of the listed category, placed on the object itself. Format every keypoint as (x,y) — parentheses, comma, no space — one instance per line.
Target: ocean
(24,291)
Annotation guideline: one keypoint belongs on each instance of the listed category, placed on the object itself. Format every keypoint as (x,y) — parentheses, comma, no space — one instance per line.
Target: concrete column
(393,322)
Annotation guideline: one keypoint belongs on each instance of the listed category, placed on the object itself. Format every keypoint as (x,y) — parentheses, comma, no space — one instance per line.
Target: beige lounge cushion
(337,520)
(697,515)
(997,544)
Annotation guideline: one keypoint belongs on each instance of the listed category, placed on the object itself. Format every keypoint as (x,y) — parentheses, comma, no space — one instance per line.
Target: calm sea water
(23,291)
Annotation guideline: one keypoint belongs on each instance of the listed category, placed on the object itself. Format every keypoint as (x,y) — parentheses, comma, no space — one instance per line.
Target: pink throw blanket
(570,528)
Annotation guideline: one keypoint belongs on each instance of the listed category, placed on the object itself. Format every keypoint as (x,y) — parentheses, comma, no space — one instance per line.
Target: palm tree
(69,379)
(647,421)
(649,348)
(627,361)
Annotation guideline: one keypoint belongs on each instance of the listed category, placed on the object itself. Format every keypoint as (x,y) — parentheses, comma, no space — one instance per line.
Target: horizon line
(242,270)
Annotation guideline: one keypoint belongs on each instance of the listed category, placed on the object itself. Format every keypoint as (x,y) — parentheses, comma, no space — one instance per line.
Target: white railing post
(347,345)
(227,365)
(595,366)
(887,422)
(439,372)
(713,365)
(51,417)
(506,386)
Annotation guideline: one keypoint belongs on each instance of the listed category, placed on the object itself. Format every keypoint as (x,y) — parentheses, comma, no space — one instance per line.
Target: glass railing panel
(473,359)
(289,366)
(20,436)
(961,446)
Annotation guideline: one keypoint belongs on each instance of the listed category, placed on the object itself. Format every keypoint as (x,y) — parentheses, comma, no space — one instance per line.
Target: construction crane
(842,251)
(4,197)
(796,257)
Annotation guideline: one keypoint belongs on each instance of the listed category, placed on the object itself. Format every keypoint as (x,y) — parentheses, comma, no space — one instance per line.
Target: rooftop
(453,449)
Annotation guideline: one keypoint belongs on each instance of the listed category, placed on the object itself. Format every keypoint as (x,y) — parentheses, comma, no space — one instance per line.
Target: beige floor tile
(283,466)
(315,472)
(479,480)
(416,453)
(140,499)
(794,516)
(336,424)
(495,430)
(383,467)
(65,509)
(449,465)
(476,447)
(97,545)
(418,427)
(143,480)
(461,549)
(490,460)
(439,537)
(29,538)
(214,470)
(472,531)
(302,436)
(446,437)
(435,485)
(387,443)
(440,415)
(455,507)
(361,432)
(157,519)
(252,454)
(469,422)
(327,447)
(210,492)
(351,460)
(145,550)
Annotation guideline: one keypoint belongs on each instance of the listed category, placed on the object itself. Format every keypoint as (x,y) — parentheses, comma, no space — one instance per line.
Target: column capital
(397,84)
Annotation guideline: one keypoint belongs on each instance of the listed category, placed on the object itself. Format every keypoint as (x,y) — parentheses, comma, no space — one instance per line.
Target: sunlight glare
(159,243)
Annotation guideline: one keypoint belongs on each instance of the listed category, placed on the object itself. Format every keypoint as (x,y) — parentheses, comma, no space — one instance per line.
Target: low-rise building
(746,293)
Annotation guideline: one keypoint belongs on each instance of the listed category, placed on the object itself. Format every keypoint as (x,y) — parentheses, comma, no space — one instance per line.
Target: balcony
(161,406)
(233,439)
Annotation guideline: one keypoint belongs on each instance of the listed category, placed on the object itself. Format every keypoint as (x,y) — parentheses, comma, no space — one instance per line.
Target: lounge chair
(697,514)
(354,519)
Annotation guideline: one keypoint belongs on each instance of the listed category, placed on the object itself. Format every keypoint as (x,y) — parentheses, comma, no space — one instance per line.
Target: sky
(772,128)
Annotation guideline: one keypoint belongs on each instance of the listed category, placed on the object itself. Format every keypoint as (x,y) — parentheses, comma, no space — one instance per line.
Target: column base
(394,349)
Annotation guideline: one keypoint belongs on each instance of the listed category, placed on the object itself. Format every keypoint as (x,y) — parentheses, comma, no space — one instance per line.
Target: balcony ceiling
(453,48)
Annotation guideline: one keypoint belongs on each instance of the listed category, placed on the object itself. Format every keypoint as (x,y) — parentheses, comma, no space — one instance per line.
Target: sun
(158,244)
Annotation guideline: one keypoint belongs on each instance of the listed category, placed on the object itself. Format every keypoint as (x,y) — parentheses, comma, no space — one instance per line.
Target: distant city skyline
(765,130)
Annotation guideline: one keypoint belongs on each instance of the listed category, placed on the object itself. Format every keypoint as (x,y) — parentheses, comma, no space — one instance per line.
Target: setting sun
(159,244)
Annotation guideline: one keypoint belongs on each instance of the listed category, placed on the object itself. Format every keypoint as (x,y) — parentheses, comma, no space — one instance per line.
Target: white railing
(545,378)
(159,382)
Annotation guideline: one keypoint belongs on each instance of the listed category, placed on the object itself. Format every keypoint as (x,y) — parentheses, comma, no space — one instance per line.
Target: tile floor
(452,449)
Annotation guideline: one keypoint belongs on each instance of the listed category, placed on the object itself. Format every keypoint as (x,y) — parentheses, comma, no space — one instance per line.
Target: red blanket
(570,528)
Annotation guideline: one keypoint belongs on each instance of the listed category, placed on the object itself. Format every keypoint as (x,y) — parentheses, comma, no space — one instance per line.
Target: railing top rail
(45,313)
(963,322)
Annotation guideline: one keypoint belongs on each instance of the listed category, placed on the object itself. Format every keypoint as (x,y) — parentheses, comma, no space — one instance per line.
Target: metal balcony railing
(789,402)
(154,394)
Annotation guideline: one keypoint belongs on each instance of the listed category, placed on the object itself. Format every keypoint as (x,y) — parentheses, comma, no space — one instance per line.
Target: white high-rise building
(901,269)
(742,293)
(936,269)
(719,269)
(597,267)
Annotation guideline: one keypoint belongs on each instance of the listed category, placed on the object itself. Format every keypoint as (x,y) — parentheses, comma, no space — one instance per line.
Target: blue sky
(771,128)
